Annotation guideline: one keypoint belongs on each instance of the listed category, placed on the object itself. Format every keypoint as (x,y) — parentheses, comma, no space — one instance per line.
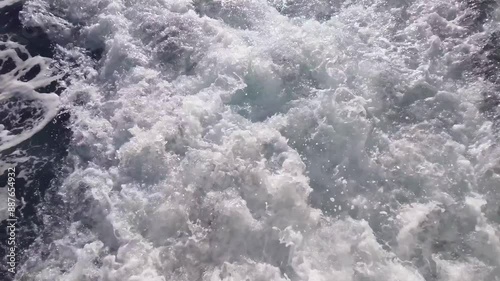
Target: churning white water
(268,140)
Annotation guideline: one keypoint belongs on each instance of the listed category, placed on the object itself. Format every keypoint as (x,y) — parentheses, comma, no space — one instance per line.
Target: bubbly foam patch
(24,111)
(267,140)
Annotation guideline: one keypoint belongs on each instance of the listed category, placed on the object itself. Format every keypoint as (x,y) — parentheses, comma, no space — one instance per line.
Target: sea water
(265,140)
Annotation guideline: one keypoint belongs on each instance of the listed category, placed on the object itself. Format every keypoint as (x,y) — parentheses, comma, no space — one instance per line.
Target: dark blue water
(48,147)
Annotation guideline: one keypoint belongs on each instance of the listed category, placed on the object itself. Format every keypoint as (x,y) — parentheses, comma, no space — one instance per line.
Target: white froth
(18,95)
(5,3)
(254,140)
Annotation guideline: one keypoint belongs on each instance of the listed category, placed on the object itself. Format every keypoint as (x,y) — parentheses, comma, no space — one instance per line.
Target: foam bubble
(213,136)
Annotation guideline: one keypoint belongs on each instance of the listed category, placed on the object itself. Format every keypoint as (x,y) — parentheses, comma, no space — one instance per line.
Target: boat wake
(265,140)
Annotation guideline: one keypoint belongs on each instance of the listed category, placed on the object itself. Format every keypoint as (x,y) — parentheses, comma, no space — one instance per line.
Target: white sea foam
(5,3)
(212,135)
(18,96)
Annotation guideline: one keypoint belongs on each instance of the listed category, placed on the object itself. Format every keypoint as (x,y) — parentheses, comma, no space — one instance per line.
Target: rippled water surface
(256,140)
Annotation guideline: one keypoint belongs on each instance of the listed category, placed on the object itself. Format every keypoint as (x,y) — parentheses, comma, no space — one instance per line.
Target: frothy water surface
(270,140)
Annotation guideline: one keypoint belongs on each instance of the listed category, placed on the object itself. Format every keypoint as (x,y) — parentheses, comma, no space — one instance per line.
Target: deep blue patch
(50,145)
